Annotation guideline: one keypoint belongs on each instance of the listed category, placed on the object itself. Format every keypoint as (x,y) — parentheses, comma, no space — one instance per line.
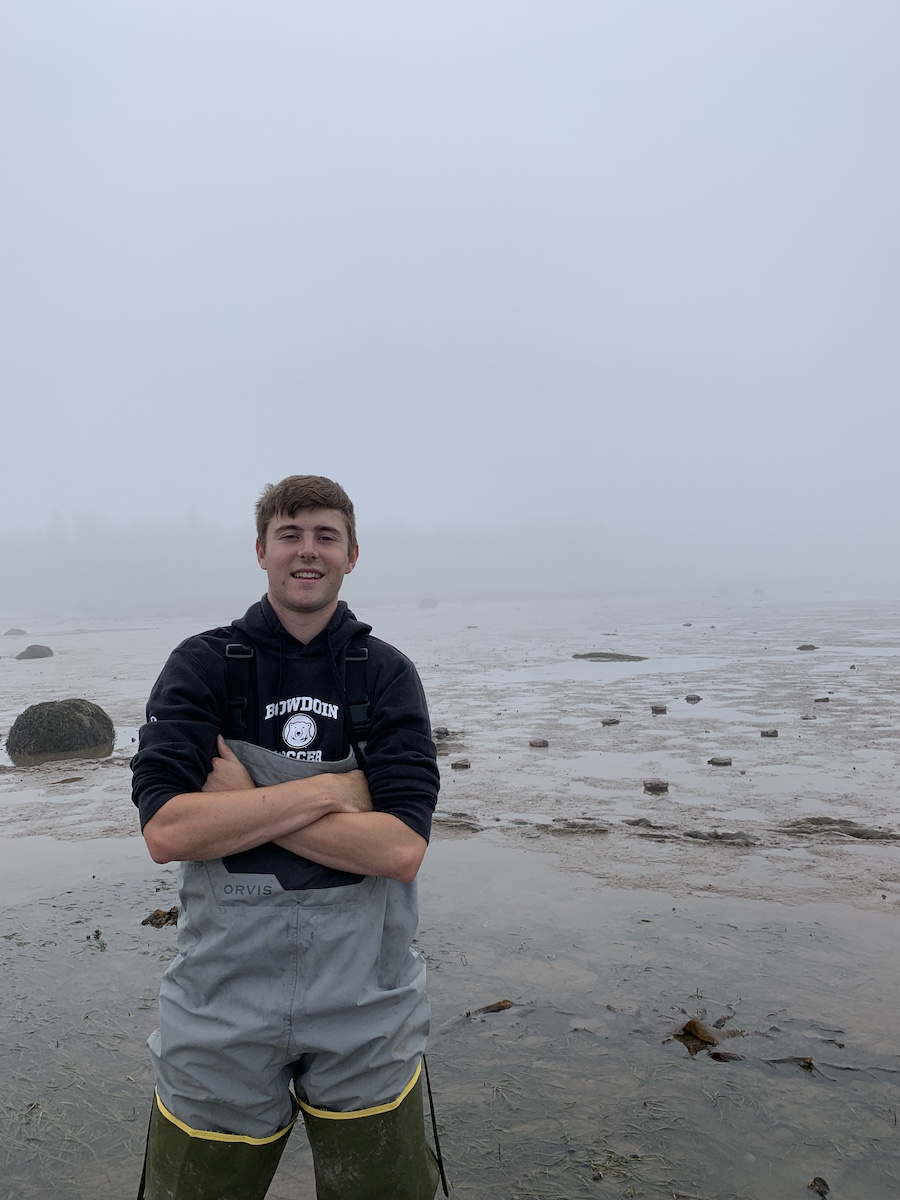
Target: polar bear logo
(299,731)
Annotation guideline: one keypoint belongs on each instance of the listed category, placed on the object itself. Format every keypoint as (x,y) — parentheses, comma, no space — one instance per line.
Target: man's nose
(307,546)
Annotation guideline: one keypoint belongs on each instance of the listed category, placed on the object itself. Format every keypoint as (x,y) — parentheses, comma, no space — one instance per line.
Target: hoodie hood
(261,625)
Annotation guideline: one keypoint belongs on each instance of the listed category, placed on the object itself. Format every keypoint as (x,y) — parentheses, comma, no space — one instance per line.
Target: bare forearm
(203,825)
(371,843)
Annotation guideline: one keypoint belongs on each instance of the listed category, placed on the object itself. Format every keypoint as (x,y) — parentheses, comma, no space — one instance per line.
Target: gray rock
(610,721)
(693,698)
(656,787)
(738,837)
(539,743)
(768,733)
(840,825)
(460,764)
(15,633)
(807,646)
(719,760)
(657,709)
(821,700)
(35,652)
(58,729)
(428,602)
(603,656)
(576,825)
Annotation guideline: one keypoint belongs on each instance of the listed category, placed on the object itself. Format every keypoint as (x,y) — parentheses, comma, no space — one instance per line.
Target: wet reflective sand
(577,1089)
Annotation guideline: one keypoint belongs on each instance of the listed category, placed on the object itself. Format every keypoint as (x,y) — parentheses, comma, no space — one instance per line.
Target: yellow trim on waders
(364,1112)
(207,1135)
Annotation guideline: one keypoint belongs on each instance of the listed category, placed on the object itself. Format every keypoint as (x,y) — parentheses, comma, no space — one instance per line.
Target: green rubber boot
(379,1154)
(193,1165)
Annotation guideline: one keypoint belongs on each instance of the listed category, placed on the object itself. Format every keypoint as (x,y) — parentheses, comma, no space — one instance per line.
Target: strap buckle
(238,650)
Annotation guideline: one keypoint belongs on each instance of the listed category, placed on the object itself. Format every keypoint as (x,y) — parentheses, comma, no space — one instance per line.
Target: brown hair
(299,493)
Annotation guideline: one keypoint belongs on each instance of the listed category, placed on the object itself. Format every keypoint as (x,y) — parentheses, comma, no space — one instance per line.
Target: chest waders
(281,1002)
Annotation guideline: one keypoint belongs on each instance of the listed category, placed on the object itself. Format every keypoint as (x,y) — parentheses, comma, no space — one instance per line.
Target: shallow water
(578,1079)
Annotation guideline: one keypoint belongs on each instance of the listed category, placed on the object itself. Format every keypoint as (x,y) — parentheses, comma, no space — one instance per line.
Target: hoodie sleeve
(178,742)
(401,761)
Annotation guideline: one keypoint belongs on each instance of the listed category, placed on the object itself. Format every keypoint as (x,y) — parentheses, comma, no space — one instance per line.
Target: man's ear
(352,559)
(260,554)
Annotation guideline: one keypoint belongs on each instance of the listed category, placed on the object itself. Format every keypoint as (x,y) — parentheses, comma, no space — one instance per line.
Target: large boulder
(60,729)
(15,633)
(35,652)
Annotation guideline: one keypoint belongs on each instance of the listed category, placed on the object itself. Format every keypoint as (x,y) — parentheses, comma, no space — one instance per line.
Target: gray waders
(316,993)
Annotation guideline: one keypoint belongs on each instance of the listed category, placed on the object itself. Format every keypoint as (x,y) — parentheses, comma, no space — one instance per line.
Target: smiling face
(306,557)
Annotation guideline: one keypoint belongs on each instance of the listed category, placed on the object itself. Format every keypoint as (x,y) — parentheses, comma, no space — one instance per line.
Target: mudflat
(759,900)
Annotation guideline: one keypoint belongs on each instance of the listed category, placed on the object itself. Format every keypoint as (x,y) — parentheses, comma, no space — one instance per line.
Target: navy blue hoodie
(297,709)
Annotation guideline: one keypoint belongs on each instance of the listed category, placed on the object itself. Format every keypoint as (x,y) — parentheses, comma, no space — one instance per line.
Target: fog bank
(94,568)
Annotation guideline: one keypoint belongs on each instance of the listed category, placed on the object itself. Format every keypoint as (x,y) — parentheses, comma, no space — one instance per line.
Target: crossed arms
(327,818)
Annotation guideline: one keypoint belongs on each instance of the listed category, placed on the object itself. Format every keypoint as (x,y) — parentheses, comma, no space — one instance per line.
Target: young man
(287,762)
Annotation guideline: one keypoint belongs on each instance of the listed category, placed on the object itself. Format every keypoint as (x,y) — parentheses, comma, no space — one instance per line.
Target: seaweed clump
(59,729)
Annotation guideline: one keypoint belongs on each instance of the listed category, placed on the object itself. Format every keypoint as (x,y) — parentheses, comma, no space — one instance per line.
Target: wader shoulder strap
(356,662)
(238,665)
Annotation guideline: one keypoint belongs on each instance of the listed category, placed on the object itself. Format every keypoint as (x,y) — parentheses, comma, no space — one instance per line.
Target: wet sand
(605,942)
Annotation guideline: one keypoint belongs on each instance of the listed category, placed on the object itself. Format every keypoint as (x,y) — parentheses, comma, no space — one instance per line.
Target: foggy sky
(532,280)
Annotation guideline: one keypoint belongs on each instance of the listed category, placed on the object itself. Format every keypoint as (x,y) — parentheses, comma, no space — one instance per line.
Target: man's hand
(228,773)
(351,792)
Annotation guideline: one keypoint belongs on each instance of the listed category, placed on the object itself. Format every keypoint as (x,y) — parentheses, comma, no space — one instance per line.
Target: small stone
(820,700)
(428,602)
(687,624)
(768,733)
(693,698)
(719,760)
(807,646)
(441,731)
(461,764)
(808,717)
(539,743)
(610,721)
(656,787)
(657,709)
(35,652)
(15,633)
